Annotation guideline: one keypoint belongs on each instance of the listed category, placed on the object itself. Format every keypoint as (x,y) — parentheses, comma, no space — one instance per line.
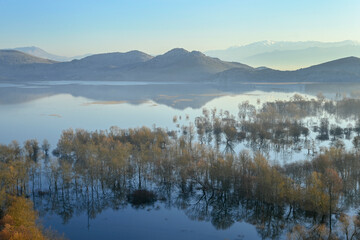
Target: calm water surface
(31,112)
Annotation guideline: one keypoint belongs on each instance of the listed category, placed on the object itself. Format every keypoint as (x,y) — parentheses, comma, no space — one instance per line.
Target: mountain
(13,57)
(38,52)
(292,59)
(179,64)
(337,71)
(288,55)
(340,70)
(106,66)
(112,60)
(183,59)
(15,66)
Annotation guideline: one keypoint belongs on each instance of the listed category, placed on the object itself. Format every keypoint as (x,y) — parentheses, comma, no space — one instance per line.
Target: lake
(42,110)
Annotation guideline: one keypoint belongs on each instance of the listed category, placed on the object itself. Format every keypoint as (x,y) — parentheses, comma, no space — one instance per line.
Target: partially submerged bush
(142,197)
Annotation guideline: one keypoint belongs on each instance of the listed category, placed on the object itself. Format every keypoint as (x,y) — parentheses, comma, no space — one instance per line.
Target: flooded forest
(290,168)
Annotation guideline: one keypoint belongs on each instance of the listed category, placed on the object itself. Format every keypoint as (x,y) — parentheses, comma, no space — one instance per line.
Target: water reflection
(35,110)
(221,208)
(175,95)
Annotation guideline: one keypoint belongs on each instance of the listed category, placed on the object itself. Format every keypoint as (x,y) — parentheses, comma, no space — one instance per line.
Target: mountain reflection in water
(42,110)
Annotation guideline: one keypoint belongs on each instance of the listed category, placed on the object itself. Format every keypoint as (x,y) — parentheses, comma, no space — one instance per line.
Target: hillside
(112,60)
(13,57)
(179,64)
(38,52)
(341,70)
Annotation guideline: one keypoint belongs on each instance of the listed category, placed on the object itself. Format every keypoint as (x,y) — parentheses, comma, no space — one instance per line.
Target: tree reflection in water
(207,179)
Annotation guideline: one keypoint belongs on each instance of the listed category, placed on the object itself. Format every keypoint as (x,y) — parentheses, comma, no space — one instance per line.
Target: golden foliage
(19,223)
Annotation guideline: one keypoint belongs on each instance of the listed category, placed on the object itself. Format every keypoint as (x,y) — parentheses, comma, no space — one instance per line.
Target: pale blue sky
(72,27)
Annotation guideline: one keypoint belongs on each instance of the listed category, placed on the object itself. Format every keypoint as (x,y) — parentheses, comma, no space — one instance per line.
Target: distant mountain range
(177,65)
(288,55)
(38,52)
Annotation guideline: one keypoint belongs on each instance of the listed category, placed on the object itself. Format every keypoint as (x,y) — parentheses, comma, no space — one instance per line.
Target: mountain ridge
(340,70)
(176,65)
(285,55)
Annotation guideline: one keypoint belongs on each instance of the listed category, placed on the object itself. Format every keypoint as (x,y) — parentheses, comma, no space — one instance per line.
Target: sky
(75,27)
